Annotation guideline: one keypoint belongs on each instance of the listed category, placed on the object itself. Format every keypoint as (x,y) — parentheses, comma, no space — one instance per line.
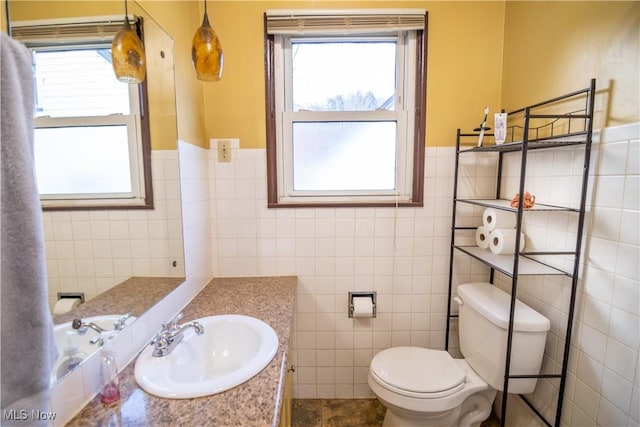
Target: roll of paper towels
(503,241)
(482,237)
(65,305)
(362,306)
(495,218)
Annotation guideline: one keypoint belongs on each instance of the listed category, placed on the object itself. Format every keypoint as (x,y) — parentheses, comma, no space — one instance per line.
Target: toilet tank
(483,328)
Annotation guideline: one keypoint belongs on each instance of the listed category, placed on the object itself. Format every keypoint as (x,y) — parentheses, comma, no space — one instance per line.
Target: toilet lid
(418,370)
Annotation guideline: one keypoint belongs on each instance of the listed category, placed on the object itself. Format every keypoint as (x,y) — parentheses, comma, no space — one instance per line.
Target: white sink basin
(72,345)
(232,350)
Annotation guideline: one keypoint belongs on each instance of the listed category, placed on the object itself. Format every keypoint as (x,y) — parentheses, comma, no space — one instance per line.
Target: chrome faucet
(119,324)
(82,327)
(171,334)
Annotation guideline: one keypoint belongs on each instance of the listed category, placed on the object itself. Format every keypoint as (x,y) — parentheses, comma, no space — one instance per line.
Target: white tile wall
(78,388)
(603,371)
(403,255)
(400,253)
(194,173)
(91,251)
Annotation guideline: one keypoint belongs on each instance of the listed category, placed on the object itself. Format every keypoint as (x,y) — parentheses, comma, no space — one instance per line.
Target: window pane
(83,160)
(344,156)
(347,76)
(75,83)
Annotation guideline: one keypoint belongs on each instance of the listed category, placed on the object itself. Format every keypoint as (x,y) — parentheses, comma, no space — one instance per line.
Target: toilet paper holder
(370,294)
(72,295)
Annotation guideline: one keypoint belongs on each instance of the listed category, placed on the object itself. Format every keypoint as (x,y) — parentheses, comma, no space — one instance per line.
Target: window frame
(138,131)
(274,149)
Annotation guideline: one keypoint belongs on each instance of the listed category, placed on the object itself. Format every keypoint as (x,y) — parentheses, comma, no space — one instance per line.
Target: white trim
(61,122)
(133,122)
(365,199)
(341,116)
(91,203)
(409,101)
(401,115)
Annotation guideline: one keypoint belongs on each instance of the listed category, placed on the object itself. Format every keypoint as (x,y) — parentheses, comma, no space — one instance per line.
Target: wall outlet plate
(224,150)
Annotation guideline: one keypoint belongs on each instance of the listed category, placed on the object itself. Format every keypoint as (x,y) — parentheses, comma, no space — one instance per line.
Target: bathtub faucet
(82,327)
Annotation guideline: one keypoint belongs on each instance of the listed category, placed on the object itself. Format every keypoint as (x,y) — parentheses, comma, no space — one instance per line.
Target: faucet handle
(172,325)
(168,328)
(98,339)
(76,323)
(177,318)
(80,326)
(119,324)
(159,339)
(165,328)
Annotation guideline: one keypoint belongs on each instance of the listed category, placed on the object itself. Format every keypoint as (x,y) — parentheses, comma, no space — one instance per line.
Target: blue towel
(28,349)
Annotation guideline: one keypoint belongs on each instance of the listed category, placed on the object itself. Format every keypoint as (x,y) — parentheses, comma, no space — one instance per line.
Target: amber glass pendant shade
(127,55)
(206,52)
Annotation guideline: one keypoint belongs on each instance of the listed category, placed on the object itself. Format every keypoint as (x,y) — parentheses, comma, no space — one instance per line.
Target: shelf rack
(557,130)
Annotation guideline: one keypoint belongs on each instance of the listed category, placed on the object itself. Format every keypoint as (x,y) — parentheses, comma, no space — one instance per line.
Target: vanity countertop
(135,295)
(255,403)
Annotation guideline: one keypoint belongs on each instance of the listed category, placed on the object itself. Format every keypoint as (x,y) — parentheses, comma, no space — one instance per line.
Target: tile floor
(346,413)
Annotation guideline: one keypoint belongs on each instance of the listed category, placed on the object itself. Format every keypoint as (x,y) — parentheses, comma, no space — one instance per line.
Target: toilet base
(473,411)
(395,418)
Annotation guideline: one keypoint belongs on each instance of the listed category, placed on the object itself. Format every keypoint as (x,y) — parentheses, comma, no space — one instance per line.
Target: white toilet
(429,388)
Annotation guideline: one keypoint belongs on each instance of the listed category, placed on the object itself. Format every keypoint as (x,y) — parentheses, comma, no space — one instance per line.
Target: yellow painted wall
(556,47)
(463,69)
(3,16)
(496,53)
(180,19)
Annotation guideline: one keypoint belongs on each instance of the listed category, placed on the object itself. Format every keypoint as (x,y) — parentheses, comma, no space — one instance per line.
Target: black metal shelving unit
(541,128)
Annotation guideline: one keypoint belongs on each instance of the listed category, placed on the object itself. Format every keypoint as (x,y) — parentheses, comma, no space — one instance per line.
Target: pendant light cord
(8,15)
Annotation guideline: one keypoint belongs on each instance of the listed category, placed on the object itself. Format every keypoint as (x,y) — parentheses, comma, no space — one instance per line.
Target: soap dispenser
(72,355)
(109,383)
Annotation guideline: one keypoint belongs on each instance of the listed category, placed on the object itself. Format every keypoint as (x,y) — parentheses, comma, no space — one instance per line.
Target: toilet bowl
(443,392)
(429,388)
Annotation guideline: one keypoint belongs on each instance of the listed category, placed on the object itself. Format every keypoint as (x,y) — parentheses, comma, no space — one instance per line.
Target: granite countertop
(255,403)
(135,295)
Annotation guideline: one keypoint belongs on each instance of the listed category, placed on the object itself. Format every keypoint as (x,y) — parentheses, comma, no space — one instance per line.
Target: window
(92,145)
(345,107)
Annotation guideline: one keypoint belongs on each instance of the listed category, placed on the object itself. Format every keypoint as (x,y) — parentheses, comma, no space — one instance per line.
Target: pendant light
(206,51)
(127,53)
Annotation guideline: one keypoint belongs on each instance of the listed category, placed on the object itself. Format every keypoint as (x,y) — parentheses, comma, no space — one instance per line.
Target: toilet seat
(418,372)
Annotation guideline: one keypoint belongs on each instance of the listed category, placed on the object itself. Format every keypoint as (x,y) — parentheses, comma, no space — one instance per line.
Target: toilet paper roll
(362,307)
(503,241)
(495,218)
(65,305)
(482,237)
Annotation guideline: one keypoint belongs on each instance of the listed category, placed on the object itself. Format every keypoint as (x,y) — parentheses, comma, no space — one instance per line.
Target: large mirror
(122,260)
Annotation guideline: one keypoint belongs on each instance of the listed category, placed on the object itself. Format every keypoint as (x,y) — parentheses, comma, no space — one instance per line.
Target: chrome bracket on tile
(370,294)
(62,295)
